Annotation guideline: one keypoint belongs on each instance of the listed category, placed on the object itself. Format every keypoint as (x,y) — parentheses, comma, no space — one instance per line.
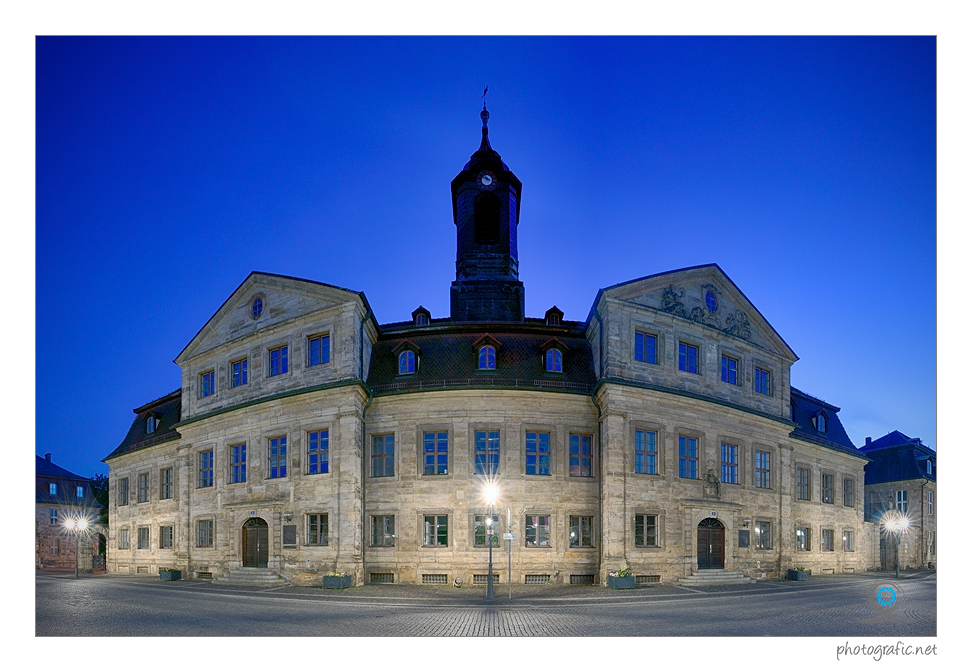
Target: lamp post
(77,525)
(896,523)
(490,493)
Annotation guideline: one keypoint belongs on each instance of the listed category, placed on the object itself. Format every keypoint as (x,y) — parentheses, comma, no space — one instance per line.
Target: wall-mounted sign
(509,535)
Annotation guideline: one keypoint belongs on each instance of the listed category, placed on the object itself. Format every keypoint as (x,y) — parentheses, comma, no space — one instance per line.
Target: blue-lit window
(730,463)
(487,452)
(207,382)
(52,489)
(318,350)
(646,452)
(317,452)
(646,347)
(277,457)
(538,453)
(80,492)
(730,368)
(436,452)
(761,381)
(383,455)
(581,455)
(688,358)
(239,373)
(554,361)
(238,463)
(278,361)
(406,362)
(821,423)
(688,457)
(487,357)
(256,308)
(53,516)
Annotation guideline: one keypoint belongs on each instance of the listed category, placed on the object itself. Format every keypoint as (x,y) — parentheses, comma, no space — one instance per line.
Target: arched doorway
(712,544)
(256,543)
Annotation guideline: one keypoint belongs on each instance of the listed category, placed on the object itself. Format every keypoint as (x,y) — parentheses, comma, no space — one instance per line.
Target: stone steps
(714,577)
(253,576)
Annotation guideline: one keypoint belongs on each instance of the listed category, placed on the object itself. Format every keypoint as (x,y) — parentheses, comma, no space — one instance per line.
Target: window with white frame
(52,489)
(901,501)
(143,488)
(53,517)
(931,503)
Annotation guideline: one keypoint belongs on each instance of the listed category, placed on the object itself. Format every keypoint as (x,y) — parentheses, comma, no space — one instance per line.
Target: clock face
(487,180)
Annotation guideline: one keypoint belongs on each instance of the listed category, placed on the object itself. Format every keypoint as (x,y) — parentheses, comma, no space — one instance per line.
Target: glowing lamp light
(491,493)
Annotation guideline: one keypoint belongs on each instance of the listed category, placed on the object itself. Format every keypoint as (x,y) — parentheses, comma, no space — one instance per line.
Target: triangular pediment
(707,296)
(262,302)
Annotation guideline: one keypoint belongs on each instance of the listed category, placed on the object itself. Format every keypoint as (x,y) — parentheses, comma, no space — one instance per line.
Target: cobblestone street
(834,606)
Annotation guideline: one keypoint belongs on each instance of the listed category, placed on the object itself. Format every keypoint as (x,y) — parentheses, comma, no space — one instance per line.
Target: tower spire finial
(484,115)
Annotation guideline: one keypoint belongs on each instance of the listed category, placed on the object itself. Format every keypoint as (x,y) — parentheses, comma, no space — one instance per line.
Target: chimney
(47,456)
(867,441)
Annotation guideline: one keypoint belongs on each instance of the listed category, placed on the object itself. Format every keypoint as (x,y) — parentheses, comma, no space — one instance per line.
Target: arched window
(554,361)
(421,320)
(406,362)
(487,357)
(821,423)
(487,219)
(151,423)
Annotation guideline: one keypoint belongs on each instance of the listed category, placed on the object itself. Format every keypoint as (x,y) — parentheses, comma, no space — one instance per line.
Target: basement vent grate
(204,575)
(536,578)
(647,578)
(382,577)
(437,579)
(483,578)
(141,570)
(582,579)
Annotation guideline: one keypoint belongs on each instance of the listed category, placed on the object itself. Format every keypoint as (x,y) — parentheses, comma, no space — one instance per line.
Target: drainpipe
(921,541)
(364,442)
(600,451)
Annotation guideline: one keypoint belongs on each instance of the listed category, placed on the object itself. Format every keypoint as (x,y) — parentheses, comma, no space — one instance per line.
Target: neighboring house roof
(898,457)
(48,472)
(167,412)
(806,409)
(448,359)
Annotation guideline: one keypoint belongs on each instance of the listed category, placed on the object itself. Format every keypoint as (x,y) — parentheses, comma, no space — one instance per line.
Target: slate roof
(448,358)
(167,410)
(67,481)
(898,457)
(805,409)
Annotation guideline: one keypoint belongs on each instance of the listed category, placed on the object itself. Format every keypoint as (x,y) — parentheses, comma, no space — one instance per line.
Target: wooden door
(256,543)
(711,541)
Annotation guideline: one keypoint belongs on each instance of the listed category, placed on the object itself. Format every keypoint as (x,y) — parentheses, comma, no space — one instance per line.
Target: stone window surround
(659,530)
(800,525)
(306,530)
(796,491)
(172,537)
(554,447)
(552,517)
(145,491)
(288,461)
(200,377)
(415,361)
(172,484)
(845,531)
(581,431)
(702,462)
(127,490)
(450,527)
(583,513)
(833,486)
(139,538)
(420,431)
(302,433)
(278,344)
(660,438)
(770,379)
(214,451)
(124,539)
(487,427)
(329,327)
(772,465)
(823,537)
(854,489)
(227,464)
(765,549)
(372,515)
(195,531)
(743,460)
(382,431)
(651,330)
(317,332)
(726,351)
(483,510)
(695,342)
(237,357)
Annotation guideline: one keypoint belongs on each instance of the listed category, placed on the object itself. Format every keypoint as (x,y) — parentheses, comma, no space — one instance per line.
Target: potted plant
(337,580)
(170,574)
(798,574)
(621,579)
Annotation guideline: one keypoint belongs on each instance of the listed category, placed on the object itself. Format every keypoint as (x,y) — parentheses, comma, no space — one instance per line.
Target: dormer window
(52,489)
(406,362)
(820,422)
(151,424)
(928,467)
(421,317)
(554,361)
(487,358)
(554,316)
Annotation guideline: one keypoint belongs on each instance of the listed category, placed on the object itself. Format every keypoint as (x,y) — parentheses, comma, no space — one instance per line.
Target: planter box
(171,575)
(337,582)
(621,582)
(794,575)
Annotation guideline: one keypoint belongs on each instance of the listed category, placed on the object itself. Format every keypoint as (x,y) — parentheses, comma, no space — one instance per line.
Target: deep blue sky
(169,169)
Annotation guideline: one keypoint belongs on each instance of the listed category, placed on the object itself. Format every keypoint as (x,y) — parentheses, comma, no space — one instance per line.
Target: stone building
(901,479)
(660,432)
(62,496)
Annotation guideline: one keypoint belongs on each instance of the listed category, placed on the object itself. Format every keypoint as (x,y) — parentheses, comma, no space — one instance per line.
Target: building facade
(62,496)
(660,433)
(900,483)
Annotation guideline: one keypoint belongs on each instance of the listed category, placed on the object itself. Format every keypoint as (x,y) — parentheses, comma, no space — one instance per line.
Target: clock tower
(486,210)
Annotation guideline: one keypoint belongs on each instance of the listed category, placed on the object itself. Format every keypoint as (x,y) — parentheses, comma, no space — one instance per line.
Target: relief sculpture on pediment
(738,325)
(672,301)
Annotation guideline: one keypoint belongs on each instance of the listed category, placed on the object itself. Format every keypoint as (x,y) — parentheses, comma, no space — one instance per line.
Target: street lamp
(490,494)
(77,525)
(896,523)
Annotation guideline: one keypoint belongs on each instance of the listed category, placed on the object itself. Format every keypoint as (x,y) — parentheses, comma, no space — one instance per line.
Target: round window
(710,301)
(256,309)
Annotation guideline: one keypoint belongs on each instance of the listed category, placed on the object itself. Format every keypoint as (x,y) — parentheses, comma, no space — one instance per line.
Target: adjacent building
(659,432)
(61,497)
(900,483)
